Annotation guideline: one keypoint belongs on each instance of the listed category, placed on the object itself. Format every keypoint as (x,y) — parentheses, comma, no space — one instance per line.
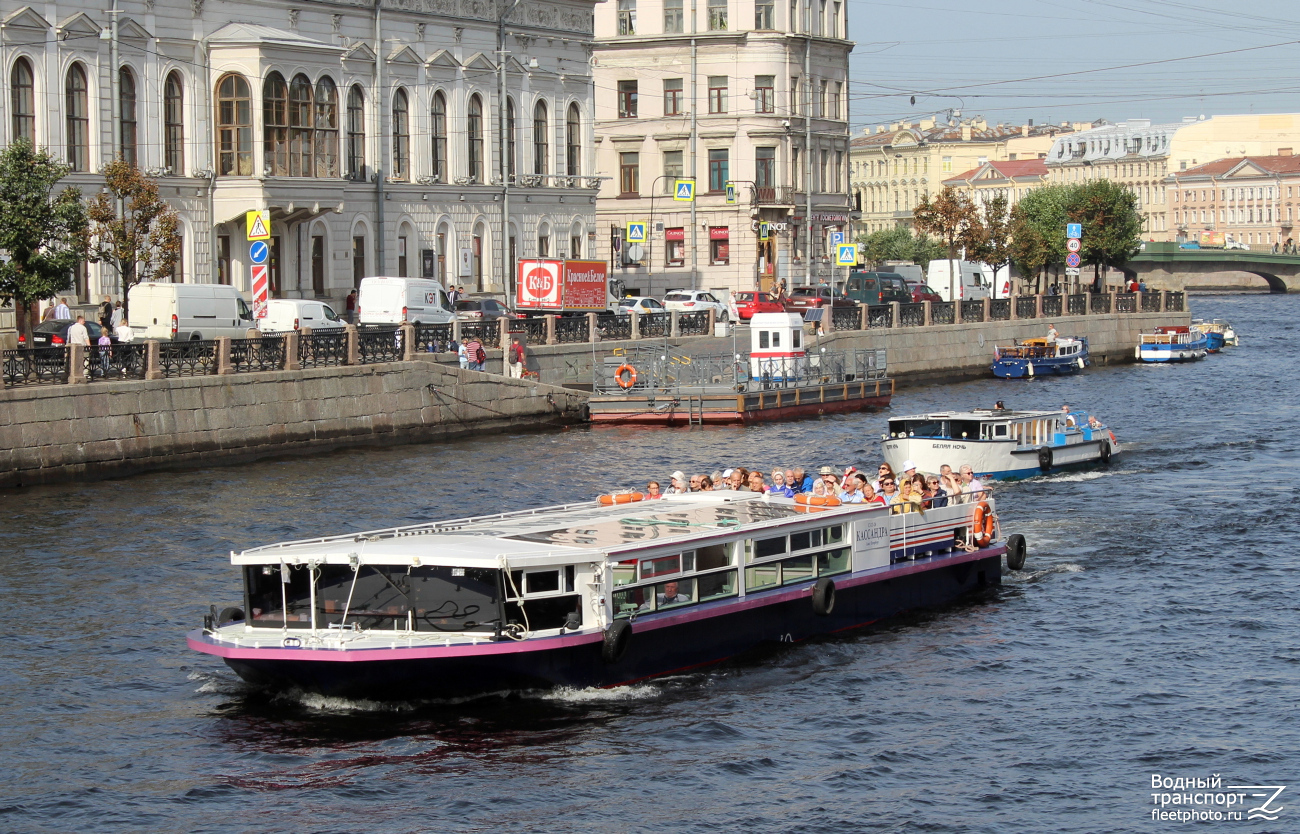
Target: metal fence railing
(323,350)
(433,338)
(911,315)
(379,344)
(264,354)
(534,328)
(570,329)
(654,325)
(693,324)
(1077,304)
(1000,309)
(943,312)
(1126,302)
(659,371)
(972,311)
(487,332)
(121,361)
(1026,306)
(34,366)
(846,318)
(197,358)
(1052,305)
(1100,302)
(611,326)
(1174,301)
(880,316)
(1150,302)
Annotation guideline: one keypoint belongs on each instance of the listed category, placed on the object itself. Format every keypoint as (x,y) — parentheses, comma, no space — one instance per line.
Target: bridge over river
(1164,266)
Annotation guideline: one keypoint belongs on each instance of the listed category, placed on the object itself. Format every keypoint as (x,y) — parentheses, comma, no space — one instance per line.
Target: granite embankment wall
(59,433)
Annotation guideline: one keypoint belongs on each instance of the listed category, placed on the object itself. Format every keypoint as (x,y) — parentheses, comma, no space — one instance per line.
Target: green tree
(954,219)
(1038,229)
(926,249)
(132,228)
(994,244)
(894,244)
(1112,225)
(42,234)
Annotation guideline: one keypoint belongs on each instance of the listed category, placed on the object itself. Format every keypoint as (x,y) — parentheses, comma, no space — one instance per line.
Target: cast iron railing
(880,316)
(433,338)
(534,328)
(1026,306)
(611,326)
(1051,305)
(942,312)
(264,354)
(1000,309)
(197,358)
(972,311)
(487,332)
(379,344)
(1100,302)
(846,318)
(323,350)
(911,315)
(569,329)
(1126,302)
(1077,304)
(120,361)
(34,366)
(654,325)
(1174,302)
(691,324)
(1150,302)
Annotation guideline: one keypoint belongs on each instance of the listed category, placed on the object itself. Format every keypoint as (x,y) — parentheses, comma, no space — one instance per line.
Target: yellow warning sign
(259,225)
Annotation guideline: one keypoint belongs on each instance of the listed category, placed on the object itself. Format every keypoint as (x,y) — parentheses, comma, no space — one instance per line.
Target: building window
(401,136)
(627,99)
(318,265)
(474,138)
(234,127)
(174,124)
(510,139)
(795,176)
(358,260)
(719,245)
(402,263)
(796,99)
(356,133)
(126,94)
(765,15)
(839,171)
(573,142)
(627,17)
(575,241)
(822,112)
(301,137)
(717,94)
(22,95)
(673,170)
(76,93)
(819,19)
(719,169)
(836,92)
(765,94)
(672,17)
(765,167)
(325,121)
(439,137)
(672,96)
(947,165)
(540,145)
(833,29)
(629,174)
(794,16)
(717,15)
(275,125)
(675,247)
(223,259)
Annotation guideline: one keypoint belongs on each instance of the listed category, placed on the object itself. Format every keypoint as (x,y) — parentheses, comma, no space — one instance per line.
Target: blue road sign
(636,233)
(837,238)
(1074,230)
(258,251)
(684,191)
(1072,259)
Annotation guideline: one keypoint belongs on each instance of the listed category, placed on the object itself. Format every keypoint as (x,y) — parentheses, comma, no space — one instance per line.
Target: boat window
(546,613)
(662,566)
(835,534)
(776,338)
(762,576)
(805,540)
(769,547)
(713,556)
(965,428)
(762,339)
(833,561)
(625,573)
(542,581)
(919,428)
(798,568)
(568,579)
(717,585)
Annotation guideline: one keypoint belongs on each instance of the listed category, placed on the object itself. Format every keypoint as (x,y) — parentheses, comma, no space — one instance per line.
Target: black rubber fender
(230,615)
(823,597)
(617,637)
(1015,551)
(1105,451)
(1045,459)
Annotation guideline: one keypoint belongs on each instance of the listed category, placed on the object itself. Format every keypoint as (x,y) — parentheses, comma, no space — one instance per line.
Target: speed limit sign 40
(1073,244)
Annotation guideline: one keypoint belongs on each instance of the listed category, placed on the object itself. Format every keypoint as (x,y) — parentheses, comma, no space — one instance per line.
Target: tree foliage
(898,244)
(142,241)
(1112,226)
(954,219)
(43,234)
(993,243)
(1038,229)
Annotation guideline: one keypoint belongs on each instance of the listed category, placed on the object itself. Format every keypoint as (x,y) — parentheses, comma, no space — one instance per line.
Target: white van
(285,314)
(967,278)
(384,300)
(183,312)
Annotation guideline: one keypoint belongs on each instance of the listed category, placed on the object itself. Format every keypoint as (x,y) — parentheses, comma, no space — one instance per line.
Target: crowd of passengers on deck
(905,492)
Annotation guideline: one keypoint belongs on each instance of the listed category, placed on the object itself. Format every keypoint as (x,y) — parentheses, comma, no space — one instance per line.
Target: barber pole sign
(261,290)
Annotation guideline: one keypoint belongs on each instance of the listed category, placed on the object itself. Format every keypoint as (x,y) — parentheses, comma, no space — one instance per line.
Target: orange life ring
(625,382)
(808,499)
(621,498)
(982,525)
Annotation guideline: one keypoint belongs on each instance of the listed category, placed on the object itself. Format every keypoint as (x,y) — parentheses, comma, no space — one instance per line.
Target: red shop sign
(719,233)
(675,234)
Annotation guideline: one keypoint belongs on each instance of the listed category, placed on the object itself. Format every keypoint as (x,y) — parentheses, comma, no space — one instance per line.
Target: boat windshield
(382,596)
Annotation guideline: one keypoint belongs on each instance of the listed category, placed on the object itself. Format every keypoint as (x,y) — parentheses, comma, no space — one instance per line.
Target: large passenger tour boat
(599,593)
(1172,343)
(1039,357)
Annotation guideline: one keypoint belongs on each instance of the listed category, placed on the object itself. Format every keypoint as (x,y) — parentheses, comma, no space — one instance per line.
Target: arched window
(474,137)
(326,125)
(22,91)
(540,145)
(234,127)
(401,136)
(126,94)
(573,142)
(301,138)
(439,137)
(174,124)
(356,133)
(275,125)
(510,139)
(77,107)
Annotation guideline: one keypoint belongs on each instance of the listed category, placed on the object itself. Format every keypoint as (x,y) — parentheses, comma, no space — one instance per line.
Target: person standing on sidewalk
(106,313)
(515,358)
(78,334)
(350,307)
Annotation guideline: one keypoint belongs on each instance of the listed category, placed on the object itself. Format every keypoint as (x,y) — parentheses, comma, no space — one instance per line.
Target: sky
(1077,61)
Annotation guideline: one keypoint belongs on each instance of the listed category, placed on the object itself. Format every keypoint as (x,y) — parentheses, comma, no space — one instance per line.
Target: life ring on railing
(982,525)
(809,500)
(625,376)
(620,498)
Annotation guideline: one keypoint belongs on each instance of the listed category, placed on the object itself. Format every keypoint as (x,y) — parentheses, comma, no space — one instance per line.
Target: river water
(1153,631)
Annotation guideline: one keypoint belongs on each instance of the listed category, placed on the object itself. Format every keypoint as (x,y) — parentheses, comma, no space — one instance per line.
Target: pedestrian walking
(105,344)
(123,331)
(106,313)
(350,307)
(118,315)
(78,334)
(63,311)
(515,358)
(477,355)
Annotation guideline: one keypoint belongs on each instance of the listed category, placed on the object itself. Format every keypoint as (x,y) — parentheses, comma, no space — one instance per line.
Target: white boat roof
(549,535)
(986,414)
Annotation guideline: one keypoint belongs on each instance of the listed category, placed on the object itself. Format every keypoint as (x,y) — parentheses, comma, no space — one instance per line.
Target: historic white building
(749,92)
(373,131)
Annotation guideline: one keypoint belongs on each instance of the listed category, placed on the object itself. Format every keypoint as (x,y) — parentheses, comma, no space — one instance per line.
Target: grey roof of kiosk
(569,533)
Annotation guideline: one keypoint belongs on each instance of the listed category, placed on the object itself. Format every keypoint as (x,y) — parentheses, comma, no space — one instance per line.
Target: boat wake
(593,695)
(1028,576)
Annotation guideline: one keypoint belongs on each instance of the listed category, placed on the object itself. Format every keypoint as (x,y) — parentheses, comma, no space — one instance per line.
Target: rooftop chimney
(965,131)
(1024,129)
(1284,152)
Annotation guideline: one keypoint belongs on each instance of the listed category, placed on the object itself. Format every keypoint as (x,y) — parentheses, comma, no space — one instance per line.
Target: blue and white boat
(1038,357)
(999,443)
(1172,343)
(1218,331)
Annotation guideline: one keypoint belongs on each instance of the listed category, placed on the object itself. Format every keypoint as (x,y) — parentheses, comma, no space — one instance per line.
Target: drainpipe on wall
(380,265)
(695,195)
(807,145)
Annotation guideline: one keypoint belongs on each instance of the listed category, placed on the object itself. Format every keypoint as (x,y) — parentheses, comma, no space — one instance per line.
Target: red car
(922,292)
(746,304)
(802,299)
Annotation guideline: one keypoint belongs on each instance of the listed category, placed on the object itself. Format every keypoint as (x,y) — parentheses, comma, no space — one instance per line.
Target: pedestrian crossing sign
(846,254)
(764,232)
(259,225)
(684,191)
(731,193)
(636,233)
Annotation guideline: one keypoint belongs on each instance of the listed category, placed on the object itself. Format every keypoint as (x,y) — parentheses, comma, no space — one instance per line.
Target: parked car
(746,304)
(877,288)
(387,300)
(922,292)
(286,314)
(640,304)
(186,312)
(695,301)
(54,333)
(474,309)
(803,299)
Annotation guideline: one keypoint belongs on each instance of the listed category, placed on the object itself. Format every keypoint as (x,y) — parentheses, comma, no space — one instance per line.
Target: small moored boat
(598,593)
(1172,343)
(1039,357)
(1217,327)
(999,443)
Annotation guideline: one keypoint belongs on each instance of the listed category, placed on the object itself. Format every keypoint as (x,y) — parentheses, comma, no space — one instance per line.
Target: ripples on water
(1154,630)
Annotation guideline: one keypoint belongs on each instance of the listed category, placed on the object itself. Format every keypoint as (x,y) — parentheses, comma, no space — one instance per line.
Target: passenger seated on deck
(670,596)
(869,495)
(1069,418)
(951,484)
(888,489)
(652,490)
(906,501)
(779,486)
(739,479)
(756,482)
(1093,422)
(851,492)
(706,483)
(886,471)
(971,486)
(934,493)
